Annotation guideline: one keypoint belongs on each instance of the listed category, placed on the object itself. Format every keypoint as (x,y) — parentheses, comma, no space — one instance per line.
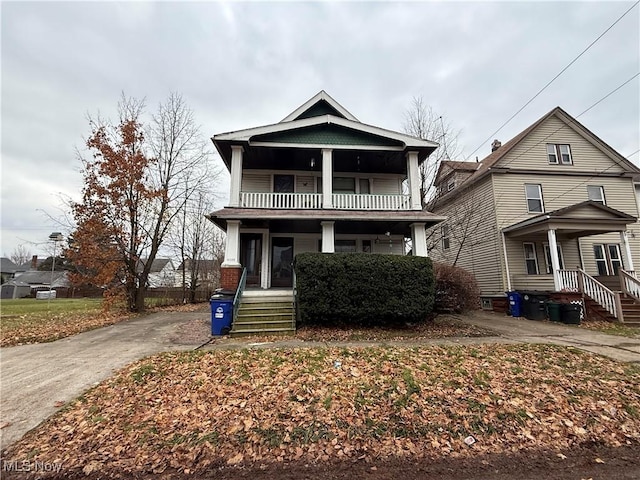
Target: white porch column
(236,175)
(232,248)
(624,240)
(555,261)
(328,244)
(419,239)
(413,175)
(327,179)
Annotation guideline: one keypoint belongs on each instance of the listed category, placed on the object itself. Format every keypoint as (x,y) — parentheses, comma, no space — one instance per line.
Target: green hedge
(363,289)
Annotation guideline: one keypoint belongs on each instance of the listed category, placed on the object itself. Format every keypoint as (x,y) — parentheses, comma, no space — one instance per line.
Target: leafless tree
(20,255)
(420,120)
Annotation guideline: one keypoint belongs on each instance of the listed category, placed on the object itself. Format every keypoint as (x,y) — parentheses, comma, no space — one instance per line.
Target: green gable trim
(318,109)
(327,135)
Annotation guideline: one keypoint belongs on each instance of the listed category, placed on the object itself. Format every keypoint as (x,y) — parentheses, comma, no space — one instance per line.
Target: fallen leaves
(195,410)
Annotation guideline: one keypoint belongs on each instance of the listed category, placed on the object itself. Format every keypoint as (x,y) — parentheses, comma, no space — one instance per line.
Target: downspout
(506,261)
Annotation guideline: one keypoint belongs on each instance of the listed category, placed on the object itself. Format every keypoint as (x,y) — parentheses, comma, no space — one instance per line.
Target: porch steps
(630,311)
(265,313)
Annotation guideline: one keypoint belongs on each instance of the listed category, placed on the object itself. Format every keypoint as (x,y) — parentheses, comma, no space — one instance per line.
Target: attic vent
(496,144)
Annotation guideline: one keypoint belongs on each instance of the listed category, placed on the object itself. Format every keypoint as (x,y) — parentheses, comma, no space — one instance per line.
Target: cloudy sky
(247,64)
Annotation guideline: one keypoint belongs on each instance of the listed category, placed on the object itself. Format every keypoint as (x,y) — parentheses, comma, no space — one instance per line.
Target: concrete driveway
(36,380)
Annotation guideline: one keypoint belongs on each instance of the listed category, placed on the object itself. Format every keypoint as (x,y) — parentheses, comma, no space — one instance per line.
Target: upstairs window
(559,153)
(451,184)
(596,193)
(283,183)
(533,194)
(344,185)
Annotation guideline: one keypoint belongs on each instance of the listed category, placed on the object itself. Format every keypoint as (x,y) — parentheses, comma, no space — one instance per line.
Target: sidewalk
(508,330)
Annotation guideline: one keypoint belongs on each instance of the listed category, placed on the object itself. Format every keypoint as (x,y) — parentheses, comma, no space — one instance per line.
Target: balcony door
(251,257)
(283,183)
(282,262)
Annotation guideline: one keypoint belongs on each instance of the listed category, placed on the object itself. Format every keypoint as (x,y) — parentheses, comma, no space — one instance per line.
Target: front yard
(197,412)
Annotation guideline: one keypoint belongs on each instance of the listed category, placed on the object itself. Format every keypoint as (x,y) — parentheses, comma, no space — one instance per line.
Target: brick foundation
(230,277)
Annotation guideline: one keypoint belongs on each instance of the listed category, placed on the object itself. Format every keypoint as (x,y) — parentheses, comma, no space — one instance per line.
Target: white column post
(236,175)
(232,248)
(419,240)
(413,175)
(328,244)
(327,178)
(627,250)
(555,260)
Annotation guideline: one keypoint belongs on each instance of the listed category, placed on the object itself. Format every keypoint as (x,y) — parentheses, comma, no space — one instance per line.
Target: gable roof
(321,103)
(492,160)
(7,266)
(329,126)
(455,165)
(36,277)
(157,266)
(26,266)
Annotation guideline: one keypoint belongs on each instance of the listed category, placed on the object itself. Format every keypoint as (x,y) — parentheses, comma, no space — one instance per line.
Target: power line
(553,79)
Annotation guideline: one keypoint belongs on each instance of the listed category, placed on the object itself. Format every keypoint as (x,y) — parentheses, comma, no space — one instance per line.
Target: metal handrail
(239,292)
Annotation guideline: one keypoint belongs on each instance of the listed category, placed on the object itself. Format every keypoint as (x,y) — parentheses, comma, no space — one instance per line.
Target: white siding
(305,184)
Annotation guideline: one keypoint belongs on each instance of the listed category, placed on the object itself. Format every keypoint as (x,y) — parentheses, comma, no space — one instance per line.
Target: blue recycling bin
(221,314)
(515,304)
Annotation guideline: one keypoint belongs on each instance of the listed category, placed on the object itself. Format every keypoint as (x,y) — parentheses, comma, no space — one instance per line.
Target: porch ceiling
(579,220)
(309,221)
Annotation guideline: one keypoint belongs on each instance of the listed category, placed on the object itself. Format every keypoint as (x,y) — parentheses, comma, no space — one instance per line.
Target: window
(283,183)
(559,153)
(451,184)
(530,258)
(547,257)
(444,233)
(345,246)
(596,193)
(364,186)
(533,194)
(366,246)
(608,258)
(344,185)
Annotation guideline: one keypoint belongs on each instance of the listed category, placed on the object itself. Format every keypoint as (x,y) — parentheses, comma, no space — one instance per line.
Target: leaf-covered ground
(612,328)
(193,412)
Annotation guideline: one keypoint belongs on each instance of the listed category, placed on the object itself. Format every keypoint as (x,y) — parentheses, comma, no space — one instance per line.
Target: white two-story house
(318,181)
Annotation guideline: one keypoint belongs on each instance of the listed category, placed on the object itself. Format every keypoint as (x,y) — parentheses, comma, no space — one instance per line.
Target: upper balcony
(342,201)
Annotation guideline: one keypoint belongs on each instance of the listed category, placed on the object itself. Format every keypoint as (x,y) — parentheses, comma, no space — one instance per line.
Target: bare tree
(135,186)
(20,255)
(420,120)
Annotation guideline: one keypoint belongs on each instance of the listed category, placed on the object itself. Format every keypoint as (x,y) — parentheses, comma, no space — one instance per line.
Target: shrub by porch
(363,289)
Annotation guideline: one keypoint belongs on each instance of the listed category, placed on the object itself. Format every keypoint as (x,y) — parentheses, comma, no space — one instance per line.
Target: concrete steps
(265,313)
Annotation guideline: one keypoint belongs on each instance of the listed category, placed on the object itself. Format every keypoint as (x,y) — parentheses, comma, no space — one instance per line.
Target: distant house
(7,269)
(32,264)
(162,274)
(26,283)
(208,273)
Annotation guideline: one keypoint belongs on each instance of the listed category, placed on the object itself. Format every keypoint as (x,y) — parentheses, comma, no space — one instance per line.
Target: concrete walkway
(36,380)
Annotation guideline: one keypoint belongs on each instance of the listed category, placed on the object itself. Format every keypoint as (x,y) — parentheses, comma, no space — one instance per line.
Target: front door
(282,262)
(251,257)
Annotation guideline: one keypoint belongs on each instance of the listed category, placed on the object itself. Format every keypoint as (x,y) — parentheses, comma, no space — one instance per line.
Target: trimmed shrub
(456,289)
(363,289)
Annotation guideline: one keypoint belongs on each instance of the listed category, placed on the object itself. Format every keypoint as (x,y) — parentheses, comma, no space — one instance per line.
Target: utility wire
(553,79)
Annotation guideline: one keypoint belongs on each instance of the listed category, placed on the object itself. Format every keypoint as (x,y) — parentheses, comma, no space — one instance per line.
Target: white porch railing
(630,284)
(280,200)
(350,201)
(346,201)
(579,281)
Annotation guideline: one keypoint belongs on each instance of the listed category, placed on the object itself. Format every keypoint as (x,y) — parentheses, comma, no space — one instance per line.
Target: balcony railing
(280,200)
(345,201)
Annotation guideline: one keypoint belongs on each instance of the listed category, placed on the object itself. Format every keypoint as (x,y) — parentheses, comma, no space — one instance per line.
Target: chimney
(496,144)
(34,262)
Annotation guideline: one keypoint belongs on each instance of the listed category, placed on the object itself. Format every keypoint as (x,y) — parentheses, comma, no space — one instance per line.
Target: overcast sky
(240,65)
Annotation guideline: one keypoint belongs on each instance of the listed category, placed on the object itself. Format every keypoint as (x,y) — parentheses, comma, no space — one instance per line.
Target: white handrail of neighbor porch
(601,294)
(280,200)
(630,284)
(351,201)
